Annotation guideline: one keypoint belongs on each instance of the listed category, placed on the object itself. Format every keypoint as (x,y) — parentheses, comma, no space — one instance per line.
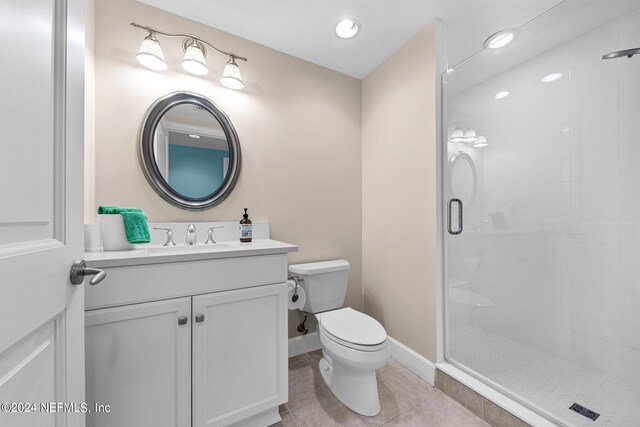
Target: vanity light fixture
(194,136)
(193,62)
(151,56)
(347,28)
(231,76)
(480,142)
(470,136)
(551,77)
(457,135)
(502,94)
(499,39)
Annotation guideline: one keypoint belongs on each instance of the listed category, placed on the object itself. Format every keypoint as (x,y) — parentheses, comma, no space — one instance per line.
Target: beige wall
(299,127)
(399,193)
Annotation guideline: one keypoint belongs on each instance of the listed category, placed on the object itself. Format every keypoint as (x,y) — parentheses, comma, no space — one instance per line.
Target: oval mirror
(463,177)
(189,151)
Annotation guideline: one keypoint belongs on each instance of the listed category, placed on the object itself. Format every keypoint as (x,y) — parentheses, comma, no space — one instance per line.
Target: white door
(41,173)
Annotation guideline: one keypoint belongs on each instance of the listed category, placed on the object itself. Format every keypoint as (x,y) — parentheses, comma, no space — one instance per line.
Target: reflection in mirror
(463,177)
(191,151)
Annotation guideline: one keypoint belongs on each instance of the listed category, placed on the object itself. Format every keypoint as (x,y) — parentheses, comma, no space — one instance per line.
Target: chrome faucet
(210,240)
(191,238)
(169,231)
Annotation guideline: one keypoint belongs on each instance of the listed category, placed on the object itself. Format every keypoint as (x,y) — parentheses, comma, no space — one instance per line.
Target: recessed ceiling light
(501,95)
(551,77)
(347,28)
(194,136)
(499,39)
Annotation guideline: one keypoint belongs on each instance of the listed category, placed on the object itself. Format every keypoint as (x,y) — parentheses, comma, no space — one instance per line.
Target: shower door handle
(451,202)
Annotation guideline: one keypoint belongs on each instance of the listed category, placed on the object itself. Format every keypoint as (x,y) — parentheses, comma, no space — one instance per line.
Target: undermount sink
(180,249)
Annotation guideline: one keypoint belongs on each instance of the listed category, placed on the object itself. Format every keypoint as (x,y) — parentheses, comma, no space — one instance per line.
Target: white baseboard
(304,344)
(411,360)
(419,365)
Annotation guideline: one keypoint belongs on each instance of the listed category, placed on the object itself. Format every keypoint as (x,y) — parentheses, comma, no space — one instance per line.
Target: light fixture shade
(231,76)
(470,135)
(457,135)
(193,61)
(481,141)
(150,54)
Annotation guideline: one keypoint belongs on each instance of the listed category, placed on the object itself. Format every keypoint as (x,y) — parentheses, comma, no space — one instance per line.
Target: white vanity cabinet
(238,347)
(194,343)
(138,361)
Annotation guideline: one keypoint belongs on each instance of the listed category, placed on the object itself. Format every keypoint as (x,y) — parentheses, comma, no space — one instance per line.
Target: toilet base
(357,389)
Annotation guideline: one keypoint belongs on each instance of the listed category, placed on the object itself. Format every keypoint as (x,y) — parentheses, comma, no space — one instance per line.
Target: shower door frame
(442,308)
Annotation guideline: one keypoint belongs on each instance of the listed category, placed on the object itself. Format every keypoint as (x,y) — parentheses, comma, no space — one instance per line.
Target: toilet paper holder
(297,280)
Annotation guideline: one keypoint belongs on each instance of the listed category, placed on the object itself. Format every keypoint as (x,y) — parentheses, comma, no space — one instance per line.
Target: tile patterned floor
(545,381)
(406,400)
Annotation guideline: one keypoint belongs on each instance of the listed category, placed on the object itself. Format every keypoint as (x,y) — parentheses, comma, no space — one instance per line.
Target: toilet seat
(353,329)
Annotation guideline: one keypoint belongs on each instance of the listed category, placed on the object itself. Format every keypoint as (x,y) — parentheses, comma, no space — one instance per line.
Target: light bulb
(347,28)
(551,77)
(499,39)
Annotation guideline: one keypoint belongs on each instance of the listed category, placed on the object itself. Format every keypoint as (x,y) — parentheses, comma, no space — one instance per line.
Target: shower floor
(545,381)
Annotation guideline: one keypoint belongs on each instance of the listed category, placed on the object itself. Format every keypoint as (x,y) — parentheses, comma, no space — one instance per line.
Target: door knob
(79,271)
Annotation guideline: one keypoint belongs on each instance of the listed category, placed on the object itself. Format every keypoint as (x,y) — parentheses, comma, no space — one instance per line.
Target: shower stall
(541,175)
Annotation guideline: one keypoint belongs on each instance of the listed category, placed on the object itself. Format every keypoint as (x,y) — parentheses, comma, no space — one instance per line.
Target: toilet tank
(325,284)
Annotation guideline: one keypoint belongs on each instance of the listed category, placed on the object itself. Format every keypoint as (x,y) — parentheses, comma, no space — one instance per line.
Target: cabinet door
(138,361)
(239,354)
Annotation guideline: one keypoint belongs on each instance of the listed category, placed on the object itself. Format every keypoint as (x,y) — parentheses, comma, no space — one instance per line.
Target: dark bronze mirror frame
(147,156)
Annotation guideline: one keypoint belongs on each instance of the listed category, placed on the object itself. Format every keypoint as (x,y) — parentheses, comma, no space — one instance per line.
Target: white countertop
(153,254)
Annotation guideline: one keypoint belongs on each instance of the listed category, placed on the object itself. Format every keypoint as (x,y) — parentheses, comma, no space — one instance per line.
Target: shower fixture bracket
(620,53)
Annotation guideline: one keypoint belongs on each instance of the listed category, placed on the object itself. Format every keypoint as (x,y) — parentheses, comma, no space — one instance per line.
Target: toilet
(354,345)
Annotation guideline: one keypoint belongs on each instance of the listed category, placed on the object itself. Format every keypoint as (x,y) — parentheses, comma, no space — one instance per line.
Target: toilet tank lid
(319,267)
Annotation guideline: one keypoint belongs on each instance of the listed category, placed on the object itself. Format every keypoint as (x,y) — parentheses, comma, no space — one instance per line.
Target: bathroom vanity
(188,336)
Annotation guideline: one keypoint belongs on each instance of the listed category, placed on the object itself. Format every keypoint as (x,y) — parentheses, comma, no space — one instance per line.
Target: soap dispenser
(245,227)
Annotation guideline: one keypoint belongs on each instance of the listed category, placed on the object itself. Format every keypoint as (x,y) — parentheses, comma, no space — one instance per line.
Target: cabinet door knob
(183,320)
(200,318)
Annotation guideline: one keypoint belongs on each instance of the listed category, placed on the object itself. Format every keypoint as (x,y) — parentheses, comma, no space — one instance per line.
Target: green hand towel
(135,222)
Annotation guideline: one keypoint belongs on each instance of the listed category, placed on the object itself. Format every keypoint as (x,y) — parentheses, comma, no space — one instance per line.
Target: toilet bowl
(354,345)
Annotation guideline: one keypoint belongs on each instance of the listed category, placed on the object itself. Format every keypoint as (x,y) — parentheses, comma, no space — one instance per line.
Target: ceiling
(305,28)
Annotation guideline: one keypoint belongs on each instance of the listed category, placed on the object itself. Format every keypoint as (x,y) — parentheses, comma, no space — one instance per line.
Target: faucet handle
(169,241)
(210,233)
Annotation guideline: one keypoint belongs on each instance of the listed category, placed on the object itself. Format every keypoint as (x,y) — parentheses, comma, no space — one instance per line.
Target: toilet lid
(352,326)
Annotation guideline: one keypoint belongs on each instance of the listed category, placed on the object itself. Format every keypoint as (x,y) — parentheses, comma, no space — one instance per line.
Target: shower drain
(586,412)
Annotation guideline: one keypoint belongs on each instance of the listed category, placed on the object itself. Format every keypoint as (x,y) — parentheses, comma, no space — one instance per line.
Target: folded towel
(135,222)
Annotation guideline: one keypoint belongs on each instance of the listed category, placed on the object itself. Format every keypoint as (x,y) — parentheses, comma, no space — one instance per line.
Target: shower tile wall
(563,167)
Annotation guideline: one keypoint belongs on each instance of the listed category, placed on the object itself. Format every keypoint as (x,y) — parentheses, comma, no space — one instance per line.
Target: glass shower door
(542,150)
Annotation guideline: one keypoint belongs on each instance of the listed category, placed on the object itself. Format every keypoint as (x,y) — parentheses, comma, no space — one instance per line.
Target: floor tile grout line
(414,407)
